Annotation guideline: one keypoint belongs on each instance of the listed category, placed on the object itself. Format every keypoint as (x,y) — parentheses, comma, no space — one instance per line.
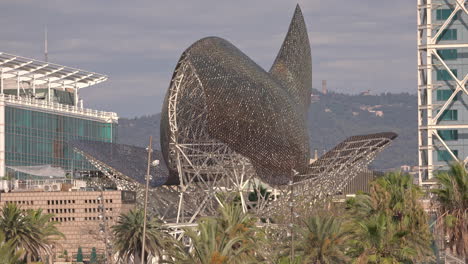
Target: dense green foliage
(79,255)
(30,231)
(390,225)
(452,196)
(324,240)
(128,233)
(232,237)
(8,253)
(93,257)
(386,225)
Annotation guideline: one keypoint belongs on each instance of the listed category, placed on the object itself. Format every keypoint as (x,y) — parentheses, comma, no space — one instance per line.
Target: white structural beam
(40,73)
(2,138)
(430,41)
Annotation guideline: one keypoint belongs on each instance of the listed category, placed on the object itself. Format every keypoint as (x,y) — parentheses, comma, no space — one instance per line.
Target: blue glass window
(444,75)
(448,134)
(448,34)
(443,14)
(444,155)
(35,138)
(449,115)
(448,54)
(444,95)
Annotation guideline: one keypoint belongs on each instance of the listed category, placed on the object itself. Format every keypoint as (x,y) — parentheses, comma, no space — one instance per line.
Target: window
(449,115)
(443,14)
(448,34)
(444,75)
(448,54)
(444,155)
(448,134)
(444,95)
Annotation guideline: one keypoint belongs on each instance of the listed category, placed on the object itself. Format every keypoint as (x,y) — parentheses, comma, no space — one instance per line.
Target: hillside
(332,118)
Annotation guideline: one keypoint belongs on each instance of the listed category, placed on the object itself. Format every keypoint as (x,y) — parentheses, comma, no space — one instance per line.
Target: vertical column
(429,87)
(48,91)
(34,85)
(76,96)
(1,80)
(421,85)
(17,84)
(2,137)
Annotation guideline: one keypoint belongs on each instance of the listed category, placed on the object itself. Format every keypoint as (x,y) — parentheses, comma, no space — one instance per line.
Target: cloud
(356,45)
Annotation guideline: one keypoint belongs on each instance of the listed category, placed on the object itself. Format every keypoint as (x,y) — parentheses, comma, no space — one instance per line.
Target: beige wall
(77,214)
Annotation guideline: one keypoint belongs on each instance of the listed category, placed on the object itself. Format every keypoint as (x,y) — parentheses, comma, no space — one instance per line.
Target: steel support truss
(327,176)
(162,200)
(206,168)
(429,59)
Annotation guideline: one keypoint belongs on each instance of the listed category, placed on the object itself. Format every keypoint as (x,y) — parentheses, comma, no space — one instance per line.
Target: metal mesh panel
(225,120)
(128,162)
(222,96)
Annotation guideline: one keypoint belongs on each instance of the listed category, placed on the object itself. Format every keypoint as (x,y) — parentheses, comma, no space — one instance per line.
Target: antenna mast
(46,55)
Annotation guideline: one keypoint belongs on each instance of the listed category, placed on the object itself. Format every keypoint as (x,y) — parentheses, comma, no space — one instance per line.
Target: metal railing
(57,107)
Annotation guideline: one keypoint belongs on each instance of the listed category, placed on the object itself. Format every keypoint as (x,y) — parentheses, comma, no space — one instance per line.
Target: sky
(357,45)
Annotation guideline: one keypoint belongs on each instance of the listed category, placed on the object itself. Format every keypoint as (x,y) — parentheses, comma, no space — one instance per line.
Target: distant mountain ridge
(332,118)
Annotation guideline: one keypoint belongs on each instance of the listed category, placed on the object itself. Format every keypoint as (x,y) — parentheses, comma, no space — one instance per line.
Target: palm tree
(324,240)
(48,228)
(452,196)
(389,223)
(30,230)
(231,237)
(8,253)
(377,240)
(128,233)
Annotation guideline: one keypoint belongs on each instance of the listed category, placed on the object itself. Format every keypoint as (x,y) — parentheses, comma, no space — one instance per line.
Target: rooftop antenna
(46,55)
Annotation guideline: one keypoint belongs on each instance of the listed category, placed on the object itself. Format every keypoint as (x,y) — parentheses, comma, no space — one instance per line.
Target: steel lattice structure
(228,127)
(437,25)
(225,120)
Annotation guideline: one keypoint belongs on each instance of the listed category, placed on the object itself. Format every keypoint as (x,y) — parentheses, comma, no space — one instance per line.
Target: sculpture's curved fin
(293,65)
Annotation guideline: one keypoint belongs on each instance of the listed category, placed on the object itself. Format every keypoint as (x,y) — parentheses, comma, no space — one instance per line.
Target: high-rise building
(40,111)
(442,92)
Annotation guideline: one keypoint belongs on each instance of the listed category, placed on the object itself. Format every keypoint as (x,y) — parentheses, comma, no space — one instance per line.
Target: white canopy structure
(40,170)
(22,73)
(40,73)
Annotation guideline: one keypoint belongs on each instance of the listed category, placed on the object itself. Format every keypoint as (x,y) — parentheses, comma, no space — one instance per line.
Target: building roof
(42,73)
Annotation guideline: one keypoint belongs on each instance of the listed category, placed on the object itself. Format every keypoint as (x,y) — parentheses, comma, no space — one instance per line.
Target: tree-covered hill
(332,118)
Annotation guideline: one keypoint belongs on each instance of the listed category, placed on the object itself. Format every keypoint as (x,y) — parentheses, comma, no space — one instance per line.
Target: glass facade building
(37,138)
(442,60)
(40,112)
(452,129)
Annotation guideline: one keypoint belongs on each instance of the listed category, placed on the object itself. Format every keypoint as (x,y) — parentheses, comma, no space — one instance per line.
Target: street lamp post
(146,199)
(291,207)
